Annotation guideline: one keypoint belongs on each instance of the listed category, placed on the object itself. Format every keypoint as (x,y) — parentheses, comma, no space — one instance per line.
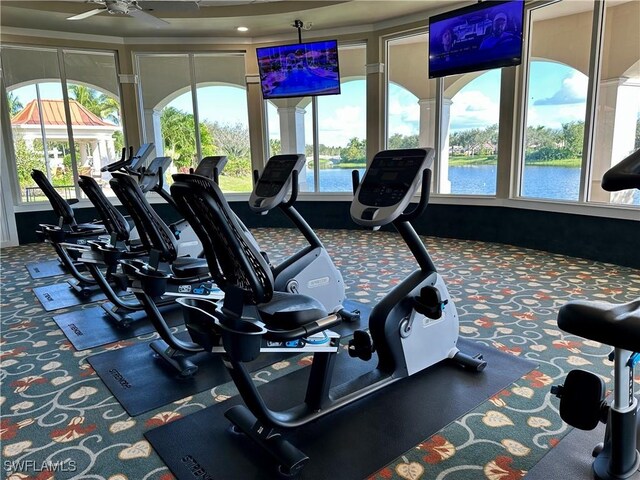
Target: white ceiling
(218,18)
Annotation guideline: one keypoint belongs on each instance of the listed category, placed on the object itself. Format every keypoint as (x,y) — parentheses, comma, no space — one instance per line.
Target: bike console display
(274,183)
(388,186)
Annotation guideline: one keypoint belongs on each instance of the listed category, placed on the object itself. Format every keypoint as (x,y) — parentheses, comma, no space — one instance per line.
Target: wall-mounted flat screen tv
(299,70)
(478,37)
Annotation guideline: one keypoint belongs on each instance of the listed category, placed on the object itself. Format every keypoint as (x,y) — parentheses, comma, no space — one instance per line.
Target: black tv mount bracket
(300,25)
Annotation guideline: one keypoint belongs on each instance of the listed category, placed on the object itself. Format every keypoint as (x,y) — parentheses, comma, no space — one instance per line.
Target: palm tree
(105,107)
(15,105)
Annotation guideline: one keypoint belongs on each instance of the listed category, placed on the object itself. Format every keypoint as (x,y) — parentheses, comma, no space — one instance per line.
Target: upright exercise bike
(582,397)
(414,326)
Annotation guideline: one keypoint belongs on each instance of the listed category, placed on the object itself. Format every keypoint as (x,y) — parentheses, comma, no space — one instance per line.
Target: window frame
(7,130)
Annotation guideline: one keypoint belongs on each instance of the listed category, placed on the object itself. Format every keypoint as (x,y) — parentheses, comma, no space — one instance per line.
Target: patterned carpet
(56,412)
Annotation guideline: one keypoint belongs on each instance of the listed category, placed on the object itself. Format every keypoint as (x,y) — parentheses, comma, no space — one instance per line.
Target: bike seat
(287,311)
(185,267)
(617,325)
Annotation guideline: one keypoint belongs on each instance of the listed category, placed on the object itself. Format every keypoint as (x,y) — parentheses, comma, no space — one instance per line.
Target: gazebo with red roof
(93,135)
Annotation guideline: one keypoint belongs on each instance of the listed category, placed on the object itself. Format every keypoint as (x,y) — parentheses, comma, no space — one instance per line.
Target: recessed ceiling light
(242,29)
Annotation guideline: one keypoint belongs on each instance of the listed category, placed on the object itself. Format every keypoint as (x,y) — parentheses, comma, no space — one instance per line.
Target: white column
(619,103)
(82,146)
(8,228)
(445,183)
(95,153)
(292,136)
(153,130)
(103,158)
(427,133)
(292,129)
(111,149)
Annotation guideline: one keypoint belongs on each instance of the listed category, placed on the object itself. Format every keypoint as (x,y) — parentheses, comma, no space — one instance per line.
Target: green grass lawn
(563,162)
(236,184)
(467,161)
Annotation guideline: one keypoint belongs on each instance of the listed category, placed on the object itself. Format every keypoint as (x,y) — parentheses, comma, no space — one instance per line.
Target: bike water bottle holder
(153,282)
(241,338)
(199,322)
(54,234)
(429,303)
(110,254)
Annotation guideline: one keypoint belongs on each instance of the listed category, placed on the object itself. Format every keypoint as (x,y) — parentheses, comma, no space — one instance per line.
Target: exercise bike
(310,271)
(67,237)
(412,328)
(582,397)
(101,254)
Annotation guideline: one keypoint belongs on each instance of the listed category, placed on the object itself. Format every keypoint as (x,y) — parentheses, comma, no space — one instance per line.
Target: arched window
(62,135)
(218,86)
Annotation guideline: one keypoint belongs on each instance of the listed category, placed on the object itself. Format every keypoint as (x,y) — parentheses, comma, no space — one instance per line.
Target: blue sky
(556,95)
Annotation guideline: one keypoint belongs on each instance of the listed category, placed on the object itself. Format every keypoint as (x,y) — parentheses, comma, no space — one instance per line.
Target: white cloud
(473,109)
(342,125)
(553,116)
(406,112)
(573,90)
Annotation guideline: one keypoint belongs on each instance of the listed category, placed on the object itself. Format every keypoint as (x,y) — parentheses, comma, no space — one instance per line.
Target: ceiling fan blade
(88,14)
(147,18)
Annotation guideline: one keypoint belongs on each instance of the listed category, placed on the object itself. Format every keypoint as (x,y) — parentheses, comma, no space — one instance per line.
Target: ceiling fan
(121,7)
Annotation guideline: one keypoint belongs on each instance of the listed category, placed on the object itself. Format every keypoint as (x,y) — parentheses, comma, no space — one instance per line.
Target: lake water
(539,182)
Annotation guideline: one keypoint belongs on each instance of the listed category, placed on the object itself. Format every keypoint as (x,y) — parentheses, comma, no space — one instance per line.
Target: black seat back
(113,220)
(154,233)
(233,260)
(60,206)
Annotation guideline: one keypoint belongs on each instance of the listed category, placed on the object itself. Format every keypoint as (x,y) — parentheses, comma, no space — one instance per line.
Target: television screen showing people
(479,37)
(299,70)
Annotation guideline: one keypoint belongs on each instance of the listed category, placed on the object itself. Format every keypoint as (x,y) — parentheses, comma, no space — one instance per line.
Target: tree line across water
(474,146)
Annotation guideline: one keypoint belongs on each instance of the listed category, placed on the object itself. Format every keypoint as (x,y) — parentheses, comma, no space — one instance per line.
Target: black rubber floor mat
(62,295)
(350,443)
(93,327)
(131,373)
(142,382)
(50,268)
